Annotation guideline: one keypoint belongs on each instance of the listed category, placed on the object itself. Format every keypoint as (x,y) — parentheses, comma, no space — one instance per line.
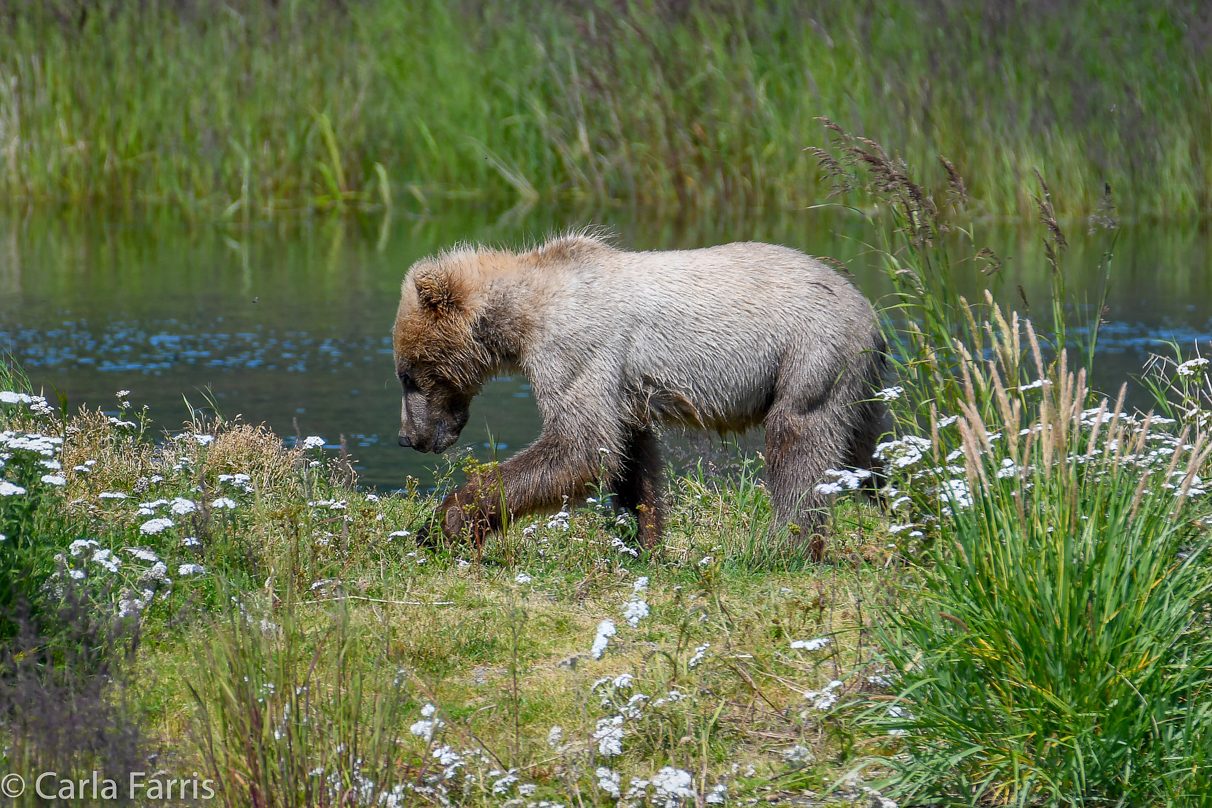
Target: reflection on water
(295,328)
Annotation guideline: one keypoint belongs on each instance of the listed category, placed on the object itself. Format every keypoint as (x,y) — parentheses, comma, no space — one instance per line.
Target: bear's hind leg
(799,447)
(638,487)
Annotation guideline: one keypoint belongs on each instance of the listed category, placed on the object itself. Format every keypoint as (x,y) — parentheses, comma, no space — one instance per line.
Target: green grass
(240,111)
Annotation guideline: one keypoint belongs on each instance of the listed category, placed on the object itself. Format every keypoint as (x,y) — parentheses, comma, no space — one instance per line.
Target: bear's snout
(405,441)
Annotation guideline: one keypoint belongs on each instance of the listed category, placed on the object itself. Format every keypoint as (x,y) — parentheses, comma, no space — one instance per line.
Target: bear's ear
(440,293)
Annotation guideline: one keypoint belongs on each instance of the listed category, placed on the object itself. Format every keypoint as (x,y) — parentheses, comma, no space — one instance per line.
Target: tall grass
(286,714)
(1058,651)
(1053,648)
(245,110)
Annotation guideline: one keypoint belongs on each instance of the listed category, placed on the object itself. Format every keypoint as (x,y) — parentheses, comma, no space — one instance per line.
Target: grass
(250,110)
(1021,618)
(291,646)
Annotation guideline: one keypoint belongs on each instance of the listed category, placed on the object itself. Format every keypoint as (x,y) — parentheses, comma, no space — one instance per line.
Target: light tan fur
(616,343)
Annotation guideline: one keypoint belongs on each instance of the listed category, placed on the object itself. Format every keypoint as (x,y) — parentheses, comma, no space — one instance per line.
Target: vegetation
(1021,618)
(250,110)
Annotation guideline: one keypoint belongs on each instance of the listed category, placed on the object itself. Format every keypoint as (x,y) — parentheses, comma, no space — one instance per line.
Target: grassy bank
(1020,619)
(247,110)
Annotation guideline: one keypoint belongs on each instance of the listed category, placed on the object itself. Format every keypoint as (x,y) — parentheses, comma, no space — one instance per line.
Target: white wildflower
(502,785)
(824,699)
(191,569)
(8,489)
(890,393)
(153,526)
(634,611)
(111,495)
(224,503)
(313,442)
(957,493)
(1192,366)
(700,653)
(522,578)
(609,736)
(182,506)
(673,786)
(601,639)
(609,781)
(554,736)
(142,554)
(811,645)
(80,545)
(640,585)
(106,559)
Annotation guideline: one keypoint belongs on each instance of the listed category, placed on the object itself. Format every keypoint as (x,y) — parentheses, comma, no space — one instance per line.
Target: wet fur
(616,343)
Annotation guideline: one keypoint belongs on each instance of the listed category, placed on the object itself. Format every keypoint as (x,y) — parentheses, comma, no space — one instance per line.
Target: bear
(616,344)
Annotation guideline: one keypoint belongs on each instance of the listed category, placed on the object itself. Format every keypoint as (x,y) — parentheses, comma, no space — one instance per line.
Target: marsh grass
(252,110)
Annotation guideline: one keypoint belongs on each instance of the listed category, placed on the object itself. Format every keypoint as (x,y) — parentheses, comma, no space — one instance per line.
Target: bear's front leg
(540,476)
(473,509)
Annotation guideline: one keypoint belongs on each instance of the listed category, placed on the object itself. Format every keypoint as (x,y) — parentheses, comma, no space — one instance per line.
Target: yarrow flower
(609,781)
(191,569)
(154,526)
(80,545)
(609,736)
(902,453)
(1192,366)
(601,638)
(634,611)
(890,393)
(845,479)
(106,559)
(522,578)
(313,442)
(182,506)
(673,786)
(824,699)
(8,489)
(224,502)
(811,645)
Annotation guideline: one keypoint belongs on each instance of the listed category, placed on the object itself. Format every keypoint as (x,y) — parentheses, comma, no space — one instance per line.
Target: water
(294,327)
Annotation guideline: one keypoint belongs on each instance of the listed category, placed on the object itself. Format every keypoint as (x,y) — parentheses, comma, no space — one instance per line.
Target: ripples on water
(296,329)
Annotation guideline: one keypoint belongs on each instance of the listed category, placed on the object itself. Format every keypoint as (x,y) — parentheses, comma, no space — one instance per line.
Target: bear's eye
(406,379)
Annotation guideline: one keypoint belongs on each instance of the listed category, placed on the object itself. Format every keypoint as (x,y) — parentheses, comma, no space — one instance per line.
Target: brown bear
(616,343)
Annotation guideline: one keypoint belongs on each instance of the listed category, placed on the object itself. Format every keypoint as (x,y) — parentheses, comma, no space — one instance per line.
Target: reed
(252,110)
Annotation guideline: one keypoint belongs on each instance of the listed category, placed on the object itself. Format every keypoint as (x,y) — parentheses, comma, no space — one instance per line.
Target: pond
(291,327)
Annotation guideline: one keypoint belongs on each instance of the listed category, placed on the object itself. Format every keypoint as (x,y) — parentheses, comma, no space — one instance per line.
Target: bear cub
(616,343)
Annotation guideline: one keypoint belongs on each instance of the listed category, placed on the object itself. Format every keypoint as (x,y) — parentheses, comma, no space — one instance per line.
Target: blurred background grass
(248,109)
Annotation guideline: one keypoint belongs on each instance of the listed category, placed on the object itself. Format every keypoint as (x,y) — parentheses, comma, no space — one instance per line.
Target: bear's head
(441,360)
